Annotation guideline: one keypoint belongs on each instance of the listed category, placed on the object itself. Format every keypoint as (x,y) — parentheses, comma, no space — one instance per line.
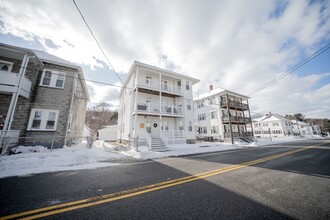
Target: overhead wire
(295,67)
(90,30)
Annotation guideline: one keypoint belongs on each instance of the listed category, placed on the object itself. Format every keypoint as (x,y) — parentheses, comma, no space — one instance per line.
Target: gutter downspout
(13,102)
(74,87)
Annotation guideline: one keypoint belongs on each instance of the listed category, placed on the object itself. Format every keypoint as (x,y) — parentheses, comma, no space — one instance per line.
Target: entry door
(155,128)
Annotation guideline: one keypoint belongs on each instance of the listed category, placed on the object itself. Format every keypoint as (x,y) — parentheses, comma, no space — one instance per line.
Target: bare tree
(100,116)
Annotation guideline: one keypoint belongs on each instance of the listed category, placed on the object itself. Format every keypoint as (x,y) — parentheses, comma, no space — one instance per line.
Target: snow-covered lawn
(37,159)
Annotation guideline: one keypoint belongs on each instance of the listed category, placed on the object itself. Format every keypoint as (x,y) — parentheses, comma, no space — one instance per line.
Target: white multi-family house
(304,129)
(272,125)
(222,115)
(156,107)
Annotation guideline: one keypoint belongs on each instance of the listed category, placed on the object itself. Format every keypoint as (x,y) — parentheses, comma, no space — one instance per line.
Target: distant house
(43,98)
(304,129)
(109,133)
(272,125)
(87,131)
(156,107)
(221,114)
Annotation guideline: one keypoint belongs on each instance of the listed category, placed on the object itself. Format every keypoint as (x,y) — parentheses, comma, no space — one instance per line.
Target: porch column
(250,117)
(13,102)
(160,104)
(230,126)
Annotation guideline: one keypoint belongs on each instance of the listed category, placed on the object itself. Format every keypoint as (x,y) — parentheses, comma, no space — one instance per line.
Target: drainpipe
(229,115)
(74,87)
(13,102)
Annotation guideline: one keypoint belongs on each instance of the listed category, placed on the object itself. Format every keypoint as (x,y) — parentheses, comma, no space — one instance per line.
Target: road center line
(79,204)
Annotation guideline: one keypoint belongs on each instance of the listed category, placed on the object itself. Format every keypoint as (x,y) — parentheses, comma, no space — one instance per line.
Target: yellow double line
(79,204)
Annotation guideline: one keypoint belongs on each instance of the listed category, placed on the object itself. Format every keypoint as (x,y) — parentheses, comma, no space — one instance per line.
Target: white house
(156,107)
(302,128)
(109,133)
(272,125)
(222,115)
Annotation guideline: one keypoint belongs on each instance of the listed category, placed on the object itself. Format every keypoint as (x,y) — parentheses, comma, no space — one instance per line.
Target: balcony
(154,87)
(235,120)
(8,81)
(166,110)
(234,105)
(238,134)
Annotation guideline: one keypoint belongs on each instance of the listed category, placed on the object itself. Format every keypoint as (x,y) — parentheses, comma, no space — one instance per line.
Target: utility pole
(298,127)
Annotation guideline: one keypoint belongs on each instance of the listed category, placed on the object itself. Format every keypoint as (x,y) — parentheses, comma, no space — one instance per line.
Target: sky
(235,45)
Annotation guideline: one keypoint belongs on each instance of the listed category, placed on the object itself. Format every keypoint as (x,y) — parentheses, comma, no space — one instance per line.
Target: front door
(155,128)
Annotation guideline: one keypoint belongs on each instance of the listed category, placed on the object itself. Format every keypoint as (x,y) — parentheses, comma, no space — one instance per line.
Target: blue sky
(230,44)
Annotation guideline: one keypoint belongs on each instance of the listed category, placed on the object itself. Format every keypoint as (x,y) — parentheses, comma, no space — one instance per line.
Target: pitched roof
(156,69)
(218,91)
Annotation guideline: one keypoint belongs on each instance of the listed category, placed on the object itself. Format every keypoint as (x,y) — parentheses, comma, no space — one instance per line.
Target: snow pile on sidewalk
(38,159)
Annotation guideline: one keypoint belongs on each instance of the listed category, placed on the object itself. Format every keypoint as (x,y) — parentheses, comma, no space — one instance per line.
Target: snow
(38,159)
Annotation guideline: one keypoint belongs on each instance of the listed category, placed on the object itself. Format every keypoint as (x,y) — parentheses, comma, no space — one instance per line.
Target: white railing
(164,109)
(10,138)
(154,84)
(173,133)
(8,81)
(172,109)
(169,87)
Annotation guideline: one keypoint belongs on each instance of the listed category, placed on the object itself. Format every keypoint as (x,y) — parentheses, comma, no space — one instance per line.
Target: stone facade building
(43,98)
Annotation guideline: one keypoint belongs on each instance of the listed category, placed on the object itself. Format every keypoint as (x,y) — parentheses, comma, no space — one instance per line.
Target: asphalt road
(287,181)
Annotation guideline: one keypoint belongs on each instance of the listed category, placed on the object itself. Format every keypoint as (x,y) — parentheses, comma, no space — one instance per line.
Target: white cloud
(231,44)
(103,93)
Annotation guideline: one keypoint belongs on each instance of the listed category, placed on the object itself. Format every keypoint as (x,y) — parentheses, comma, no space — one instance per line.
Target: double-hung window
(52,78)
(43,119)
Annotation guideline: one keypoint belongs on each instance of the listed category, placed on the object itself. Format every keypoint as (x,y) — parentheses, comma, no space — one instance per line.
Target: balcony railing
(156,85)
(236,119)
(238,134)
(157,109)
(171,88)
(8,81)
(234,104)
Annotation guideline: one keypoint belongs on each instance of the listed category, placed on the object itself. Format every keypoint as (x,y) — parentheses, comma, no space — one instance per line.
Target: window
(148,80)
(201,117)
(204,130)
(52,78)
(181,126)
(214,115)
(6,66)
(275,124)
(189,125)
(265,124)
(214,129)
(187,85)
(212,100)
(189,107)
(200,104)
(43,119)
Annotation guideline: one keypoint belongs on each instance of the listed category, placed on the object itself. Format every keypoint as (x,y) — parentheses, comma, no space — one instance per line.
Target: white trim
(53,78)
(43,119)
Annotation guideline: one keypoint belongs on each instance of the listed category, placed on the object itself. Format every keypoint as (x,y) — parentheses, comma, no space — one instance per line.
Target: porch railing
(164,109)
(8,81)
(155,84)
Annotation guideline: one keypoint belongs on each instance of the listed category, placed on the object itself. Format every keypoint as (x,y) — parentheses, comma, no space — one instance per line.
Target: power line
(297,66)
(90,30)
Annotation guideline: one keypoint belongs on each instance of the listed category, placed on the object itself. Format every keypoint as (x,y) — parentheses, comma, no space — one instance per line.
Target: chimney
(210,88)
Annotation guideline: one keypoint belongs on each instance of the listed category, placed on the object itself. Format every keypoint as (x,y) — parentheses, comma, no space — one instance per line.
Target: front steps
(157,144)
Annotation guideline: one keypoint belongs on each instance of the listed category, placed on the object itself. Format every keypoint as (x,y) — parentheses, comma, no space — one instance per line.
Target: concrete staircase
(157,144)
